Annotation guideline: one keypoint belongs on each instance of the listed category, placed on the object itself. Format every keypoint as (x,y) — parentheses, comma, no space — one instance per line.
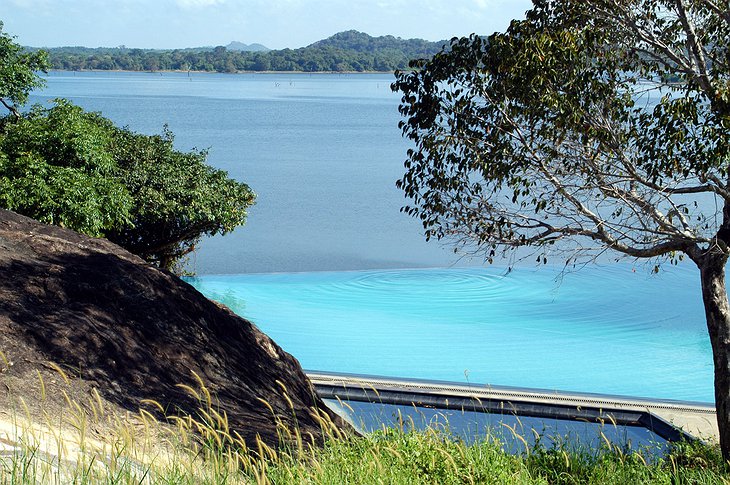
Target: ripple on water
(597,330)
(436,287)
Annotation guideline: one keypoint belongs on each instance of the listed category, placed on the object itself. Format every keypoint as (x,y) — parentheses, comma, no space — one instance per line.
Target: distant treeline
(346,51)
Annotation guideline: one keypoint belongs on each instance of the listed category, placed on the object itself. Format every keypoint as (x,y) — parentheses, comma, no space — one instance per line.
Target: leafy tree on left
(18,72)
(176,197)
(62,165)
(56,167)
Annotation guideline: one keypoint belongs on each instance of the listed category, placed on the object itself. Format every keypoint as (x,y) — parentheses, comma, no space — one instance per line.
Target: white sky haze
(277,24)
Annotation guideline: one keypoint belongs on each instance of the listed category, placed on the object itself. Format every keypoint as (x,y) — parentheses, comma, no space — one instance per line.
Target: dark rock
(134,332)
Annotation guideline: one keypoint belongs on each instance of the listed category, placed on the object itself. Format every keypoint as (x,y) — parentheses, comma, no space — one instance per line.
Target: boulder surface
(115,323)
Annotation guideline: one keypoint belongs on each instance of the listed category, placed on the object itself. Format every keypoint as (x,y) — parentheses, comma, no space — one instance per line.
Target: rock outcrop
(134,332)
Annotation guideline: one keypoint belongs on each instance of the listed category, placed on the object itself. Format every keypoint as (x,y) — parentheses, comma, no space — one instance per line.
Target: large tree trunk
(717,313)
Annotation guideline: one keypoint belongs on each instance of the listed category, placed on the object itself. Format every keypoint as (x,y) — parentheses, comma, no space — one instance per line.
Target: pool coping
(671,419)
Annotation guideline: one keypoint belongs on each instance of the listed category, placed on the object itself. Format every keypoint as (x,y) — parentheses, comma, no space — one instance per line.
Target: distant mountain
(361,42)
(240,46)
(349,51)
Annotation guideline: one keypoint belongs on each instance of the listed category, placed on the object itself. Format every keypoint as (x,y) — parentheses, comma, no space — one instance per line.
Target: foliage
(353,40)
(346,51)
(177,197)
(203,448)
(543,135)
(65,166)
(18,72)
(589,126)
(55,166)
(200,451)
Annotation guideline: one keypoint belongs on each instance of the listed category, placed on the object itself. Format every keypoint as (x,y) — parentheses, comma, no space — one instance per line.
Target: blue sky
(274,23)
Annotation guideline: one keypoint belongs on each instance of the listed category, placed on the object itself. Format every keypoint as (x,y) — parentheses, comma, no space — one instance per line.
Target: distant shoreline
(345,52)
(161,71)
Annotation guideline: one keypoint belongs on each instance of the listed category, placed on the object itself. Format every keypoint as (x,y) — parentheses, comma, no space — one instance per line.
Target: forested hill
(346,51)
(353,40)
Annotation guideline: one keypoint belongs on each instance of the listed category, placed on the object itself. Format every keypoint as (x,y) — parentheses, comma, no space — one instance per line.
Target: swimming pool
(509,430)
(614,329)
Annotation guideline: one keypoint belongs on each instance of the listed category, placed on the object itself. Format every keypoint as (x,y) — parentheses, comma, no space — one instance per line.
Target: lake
(329,267)
(322,152)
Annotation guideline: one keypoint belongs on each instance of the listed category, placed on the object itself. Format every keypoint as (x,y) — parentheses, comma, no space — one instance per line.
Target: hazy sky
(274,23)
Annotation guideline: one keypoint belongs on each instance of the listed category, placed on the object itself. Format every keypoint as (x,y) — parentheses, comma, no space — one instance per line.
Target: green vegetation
(64,166)
(54,167)
(18,72)
(544,114)
(346,51)
(203,449)
(543,140)
(430,457)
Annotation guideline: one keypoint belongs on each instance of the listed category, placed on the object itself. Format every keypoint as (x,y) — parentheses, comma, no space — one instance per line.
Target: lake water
(330,269)
(321,151)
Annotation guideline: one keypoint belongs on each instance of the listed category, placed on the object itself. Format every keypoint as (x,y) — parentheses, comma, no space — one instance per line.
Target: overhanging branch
(11,108)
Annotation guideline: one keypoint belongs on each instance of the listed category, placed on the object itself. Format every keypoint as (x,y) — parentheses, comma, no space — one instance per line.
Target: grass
(137,449)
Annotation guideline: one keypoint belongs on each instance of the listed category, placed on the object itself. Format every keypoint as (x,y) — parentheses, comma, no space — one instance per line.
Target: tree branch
(694,47)
(12,108)
(724,14)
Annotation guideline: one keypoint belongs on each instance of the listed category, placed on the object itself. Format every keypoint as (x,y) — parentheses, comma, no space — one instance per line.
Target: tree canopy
(571,125)
(591,125)
(18,72)
(177,197)
(56,167)
(62,165)
(345,51)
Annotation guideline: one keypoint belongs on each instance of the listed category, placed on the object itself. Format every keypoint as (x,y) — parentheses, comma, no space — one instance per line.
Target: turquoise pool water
(614,329)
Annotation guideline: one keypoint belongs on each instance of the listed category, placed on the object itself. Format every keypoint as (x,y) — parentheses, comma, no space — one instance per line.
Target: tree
(177,198)
(18,72)
(592,125)
(55,166)
(65,166)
